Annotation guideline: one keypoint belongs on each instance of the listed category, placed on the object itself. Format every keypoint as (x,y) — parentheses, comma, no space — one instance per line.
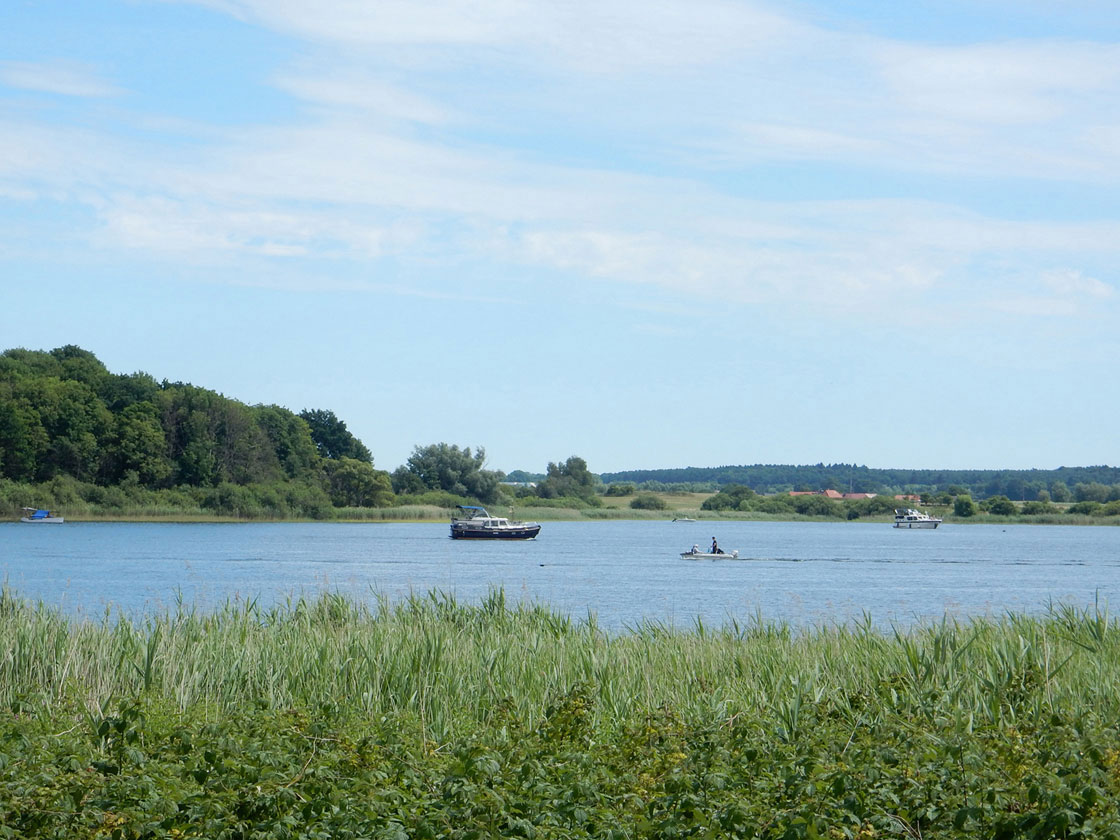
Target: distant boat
(696,554)
(910,518)
(683,519)
(476,524)
(40,515)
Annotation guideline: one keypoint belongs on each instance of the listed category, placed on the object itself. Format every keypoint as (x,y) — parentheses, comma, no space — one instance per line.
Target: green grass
(432,718)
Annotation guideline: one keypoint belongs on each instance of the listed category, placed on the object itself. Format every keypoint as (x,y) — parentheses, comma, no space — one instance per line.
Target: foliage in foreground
(435,719)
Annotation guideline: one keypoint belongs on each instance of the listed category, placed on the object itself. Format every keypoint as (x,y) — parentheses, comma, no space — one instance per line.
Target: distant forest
(1018,485)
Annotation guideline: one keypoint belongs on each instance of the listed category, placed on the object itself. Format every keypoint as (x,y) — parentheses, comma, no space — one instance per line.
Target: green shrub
(620,488)
(999,506)
(1085,508)
(648,501)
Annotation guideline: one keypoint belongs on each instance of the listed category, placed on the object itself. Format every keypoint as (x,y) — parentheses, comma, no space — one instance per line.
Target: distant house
(909,498)
(832,494)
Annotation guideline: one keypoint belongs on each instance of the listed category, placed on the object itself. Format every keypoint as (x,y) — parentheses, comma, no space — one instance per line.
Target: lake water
(623,572)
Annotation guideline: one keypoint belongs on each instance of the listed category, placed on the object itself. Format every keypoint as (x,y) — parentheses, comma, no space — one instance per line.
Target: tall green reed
(444,664)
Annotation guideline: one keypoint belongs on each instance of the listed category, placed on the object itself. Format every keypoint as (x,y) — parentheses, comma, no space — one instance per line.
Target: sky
(652,234)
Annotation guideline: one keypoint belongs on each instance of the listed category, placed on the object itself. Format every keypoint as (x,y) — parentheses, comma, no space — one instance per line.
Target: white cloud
(1000,84)
(584,35)
(59,77)
(365,94)
(1073,284)
(373,167)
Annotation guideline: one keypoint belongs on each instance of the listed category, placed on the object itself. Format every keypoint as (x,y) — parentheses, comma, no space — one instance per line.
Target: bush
(436,498)
(625,488)
(648,501)
(1000,506)
(816,506)
(1086,508)
(573,502)
(729,498)
(870,507)
(781,504)
(963,506)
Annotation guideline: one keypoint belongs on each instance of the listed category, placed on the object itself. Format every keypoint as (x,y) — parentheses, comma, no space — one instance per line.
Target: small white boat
(696,554)
(684,519)
(910,518)
(40,515)
(474,523)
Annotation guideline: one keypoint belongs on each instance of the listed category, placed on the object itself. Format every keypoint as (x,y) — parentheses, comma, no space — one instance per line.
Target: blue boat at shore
(40,515)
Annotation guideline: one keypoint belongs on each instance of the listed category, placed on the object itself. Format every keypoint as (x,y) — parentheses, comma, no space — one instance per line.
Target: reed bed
(431,717)
(451,664)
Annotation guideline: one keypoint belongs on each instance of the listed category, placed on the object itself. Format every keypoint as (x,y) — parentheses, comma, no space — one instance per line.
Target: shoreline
(586,515)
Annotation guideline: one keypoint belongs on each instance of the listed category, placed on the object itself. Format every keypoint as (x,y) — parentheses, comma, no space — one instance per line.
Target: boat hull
(928,524)
(704,555)
(55,520)
(529,532)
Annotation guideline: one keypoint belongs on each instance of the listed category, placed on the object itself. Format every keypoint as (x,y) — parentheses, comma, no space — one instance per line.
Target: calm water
(623,572)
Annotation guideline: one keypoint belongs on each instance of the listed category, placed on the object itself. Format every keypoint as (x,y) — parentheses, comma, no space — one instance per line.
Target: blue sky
(657,234)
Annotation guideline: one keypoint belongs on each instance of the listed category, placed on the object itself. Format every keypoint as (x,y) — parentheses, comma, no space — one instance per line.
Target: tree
(80,366)
(140,445)
(963,506)
(121,390)
(23,440)
(332,438)
(572,479)
(1091,491)
(213,439)
(355,483)
(443,466)
(290,437)
(76,423)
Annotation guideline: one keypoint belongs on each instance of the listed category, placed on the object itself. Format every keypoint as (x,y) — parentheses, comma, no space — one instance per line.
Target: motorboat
(474,523)
(696,554)
(684,519)
(40,515)
(910,518)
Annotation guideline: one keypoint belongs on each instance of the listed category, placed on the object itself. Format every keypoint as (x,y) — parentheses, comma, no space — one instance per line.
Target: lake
(622,572)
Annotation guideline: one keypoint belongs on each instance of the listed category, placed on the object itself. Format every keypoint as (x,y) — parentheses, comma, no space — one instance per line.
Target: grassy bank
(430,718)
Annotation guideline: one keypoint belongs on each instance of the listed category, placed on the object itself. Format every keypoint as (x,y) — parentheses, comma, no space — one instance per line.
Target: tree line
(71,431)
(1062,484)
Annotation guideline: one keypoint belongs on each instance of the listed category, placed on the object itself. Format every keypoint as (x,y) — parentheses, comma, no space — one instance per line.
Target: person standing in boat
(715,547)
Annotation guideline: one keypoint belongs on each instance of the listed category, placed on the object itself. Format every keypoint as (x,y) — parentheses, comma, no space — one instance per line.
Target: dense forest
(1062,484)
(72,431)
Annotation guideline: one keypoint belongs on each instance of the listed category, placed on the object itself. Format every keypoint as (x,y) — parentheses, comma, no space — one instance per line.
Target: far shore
(430,516)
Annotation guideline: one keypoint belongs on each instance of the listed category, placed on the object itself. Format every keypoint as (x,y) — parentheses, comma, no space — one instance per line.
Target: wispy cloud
(403,148)
(61,77)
